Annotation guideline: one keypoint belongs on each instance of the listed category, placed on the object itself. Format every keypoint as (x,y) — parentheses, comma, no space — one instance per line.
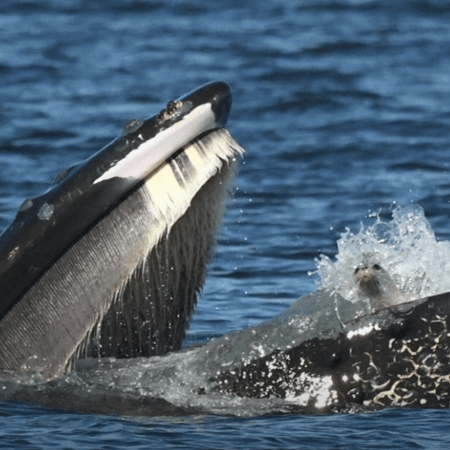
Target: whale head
(109,260)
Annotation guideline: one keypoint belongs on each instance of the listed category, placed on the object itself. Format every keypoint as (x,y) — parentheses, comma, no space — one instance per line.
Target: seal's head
(371,280)
(374,282)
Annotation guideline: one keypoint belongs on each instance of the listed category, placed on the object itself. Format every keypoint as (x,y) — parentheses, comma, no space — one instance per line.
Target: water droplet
(13,253)
(131,126)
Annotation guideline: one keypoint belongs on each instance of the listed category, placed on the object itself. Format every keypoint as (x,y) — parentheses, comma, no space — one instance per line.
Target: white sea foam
(406,247)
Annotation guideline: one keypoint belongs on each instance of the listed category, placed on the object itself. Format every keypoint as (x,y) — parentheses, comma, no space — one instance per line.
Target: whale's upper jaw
(46,225)
(144,146)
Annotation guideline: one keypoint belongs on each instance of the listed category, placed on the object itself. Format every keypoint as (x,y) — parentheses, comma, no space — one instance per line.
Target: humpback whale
(310,359)
(396,357)
(102,271)
(109,260)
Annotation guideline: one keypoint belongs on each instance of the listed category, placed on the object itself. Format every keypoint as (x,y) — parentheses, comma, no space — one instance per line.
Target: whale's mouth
(150,311)
(109,260)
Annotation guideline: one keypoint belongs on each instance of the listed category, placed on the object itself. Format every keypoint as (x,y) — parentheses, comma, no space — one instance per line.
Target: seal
(375,283)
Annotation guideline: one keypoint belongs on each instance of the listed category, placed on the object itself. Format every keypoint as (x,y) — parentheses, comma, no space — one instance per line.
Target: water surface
(343,107)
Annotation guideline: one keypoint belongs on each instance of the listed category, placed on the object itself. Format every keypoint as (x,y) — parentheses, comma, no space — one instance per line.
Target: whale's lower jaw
(128,286)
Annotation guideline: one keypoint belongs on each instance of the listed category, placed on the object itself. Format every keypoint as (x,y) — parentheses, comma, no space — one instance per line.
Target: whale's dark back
(392,359)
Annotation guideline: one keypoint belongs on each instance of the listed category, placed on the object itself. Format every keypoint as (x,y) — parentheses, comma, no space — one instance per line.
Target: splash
(406,247)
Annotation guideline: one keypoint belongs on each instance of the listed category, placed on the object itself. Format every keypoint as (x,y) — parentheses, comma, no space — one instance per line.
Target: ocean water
(343,107)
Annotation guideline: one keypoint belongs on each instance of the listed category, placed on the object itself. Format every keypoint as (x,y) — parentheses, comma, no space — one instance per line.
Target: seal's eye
(356,271)
(376,267)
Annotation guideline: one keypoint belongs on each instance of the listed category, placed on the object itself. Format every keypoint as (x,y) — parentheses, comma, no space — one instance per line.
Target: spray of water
(405,246)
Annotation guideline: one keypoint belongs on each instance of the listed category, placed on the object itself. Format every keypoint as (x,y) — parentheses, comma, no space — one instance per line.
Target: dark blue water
(344,109)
